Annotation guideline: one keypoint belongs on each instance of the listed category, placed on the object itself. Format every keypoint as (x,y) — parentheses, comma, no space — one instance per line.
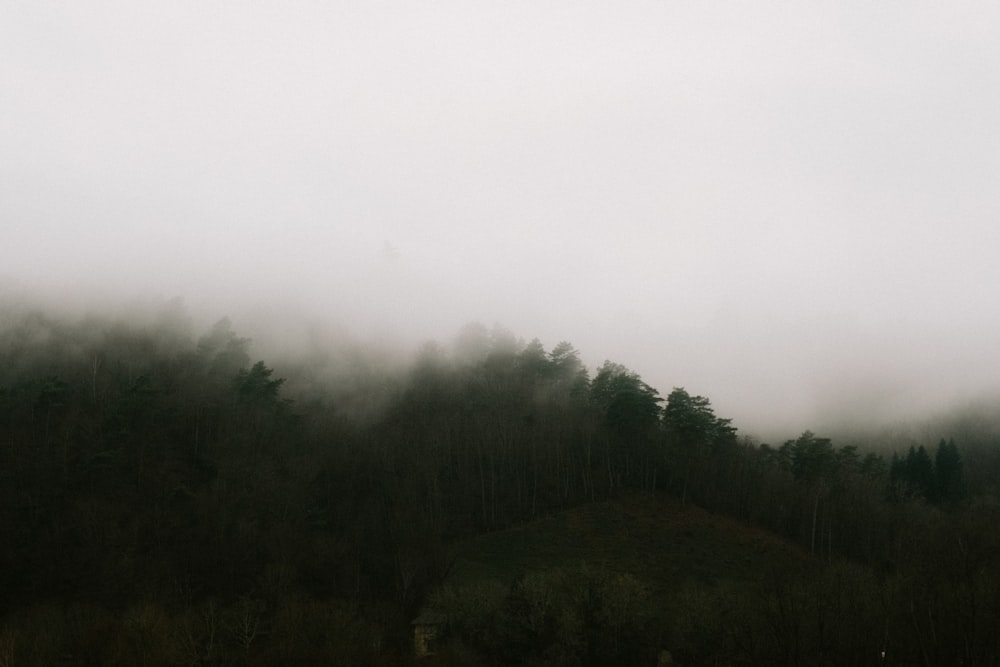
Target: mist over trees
(169,498)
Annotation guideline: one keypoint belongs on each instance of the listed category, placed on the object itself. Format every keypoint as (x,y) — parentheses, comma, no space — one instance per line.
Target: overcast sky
(792,208)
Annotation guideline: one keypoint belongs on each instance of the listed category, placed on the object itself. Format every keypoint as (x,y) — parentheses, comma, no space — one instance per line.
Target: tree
(812,457)
(693,426)
(223,351)
(569,373)
(257,404)
(948,482)
(255,386)
(532,361)
(813,461)
(631,407)
(919,472)
(631,413)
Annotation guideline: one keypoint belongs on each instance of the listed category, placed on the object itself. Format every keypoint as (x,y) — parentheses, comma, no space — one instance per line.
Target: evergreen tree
(693,427)
(918,473)
(631,407)
(812,457)
(948,482)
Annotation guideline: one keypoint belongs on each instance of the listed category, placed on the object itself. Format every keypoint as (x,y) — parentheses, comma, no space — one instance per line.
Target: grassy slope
(652,537)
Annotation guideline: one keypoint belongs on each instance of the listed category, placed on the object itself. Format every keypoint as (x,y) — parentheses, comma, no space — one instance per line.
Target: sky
(788,207)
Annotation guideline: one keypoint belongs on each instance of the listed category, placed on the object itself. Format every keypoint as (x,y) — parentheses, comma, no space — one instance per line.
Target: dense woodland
(166,498)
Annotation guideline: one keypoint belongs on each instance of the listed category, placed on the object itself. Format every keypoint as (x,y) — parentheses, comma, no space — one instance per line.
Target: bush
(574,616)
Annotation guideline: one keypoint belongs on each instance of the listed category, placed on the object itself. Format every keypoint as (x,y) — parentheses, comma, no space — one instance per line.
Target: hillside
(169,500)
(627,580)
(647,535)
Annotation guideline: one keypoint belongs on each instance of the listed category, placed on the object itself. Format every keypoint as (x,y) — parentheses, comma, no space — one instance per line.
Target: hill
(167,499)
(632,580)
(643,534)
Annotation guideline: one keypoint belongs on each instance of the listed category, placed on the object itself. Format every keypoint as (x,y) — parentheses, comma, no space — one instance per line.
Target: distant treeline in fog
(168,498)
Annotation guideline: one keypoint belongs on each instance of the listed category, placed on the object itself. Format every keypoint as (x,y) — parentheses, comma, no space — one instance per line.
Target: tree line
(166,498)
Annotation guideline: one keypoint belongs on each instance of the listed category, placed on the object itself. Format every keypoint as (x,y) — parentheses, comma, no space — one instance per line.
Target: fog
(790,208)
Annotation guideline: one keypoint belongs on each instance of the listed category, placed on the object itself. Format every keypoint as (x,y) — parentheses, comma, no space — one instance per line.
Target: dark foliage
(162,501)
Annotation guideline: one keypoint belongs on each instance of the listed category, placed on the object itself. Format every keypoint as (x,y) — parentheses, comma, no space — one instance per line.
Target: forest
(168,498)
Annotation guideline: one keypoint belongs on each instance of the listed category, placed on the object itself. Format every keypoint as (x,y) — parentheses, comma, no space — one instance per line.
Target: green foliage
(255,386)
(813,458)
(692,420)
(699,439)
(940,481)
(631,407)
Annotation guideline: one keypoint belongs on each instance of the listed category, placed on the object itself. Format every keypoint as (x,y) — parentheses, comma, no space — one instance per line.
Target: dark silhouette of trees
(561,616)
(161,494)
(940,481)
(949,483)
(630,414)
(694,433)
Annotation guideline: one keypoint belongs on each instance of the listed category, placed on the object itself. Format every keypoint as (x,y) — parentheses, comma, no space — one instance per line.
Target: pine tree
(948,483)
